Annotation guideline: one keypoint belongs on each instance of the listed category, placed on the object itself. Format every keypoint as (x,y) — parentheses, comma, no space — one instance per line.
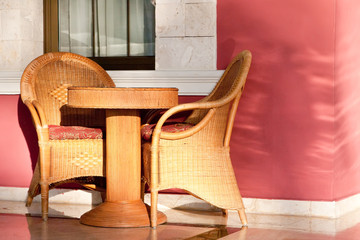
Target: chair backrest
(226,93)
(47,78)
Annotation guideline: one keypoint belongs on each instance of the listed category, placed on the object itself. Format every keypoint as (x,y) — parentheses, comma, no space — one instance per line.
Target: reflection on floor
(19,222)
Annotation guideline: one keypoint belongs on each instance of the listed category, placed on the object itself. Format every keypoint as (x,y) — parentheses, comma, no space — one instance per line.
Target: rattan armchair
(197,158)
(61,159)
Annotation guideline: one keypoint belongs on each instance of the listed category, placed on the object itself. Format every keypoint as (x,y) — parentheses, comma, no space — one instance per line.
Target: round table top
(122,98)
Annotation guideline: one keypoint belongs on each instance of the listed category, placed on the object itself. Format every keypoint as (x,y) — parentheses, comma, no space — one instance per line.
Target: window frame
(51,44)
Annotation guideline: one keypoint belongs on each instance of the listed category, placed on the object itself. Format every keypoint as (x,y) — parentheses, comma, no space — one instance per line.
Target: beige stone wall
(21,33)
(185,35)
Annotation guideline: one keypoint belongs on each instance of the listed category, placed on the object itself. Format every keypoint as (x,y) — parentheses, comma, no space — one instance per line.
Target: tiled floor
(19,222)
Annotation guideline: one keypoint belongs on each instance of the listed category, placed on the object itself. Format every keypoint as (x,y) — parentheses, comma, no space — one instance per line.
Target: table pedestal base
(120,214)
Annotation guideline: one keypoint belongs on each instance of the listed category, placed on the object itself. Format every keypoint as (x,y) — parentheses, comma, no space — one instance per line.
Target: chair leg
(34,185)
(44,201)
(29,199)
(103,196)
(153,209)
(242,216)
(142,191)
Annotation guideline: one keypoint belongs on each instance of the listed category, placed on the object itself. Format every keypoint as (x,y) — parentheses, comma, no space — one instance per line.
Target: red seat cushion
(147,130)
(73,132)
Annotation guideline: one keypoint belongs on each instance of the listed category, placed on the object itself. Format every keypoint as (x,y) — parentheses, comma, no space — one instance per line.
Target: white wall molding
(188,82)
(10,82)
(323,209)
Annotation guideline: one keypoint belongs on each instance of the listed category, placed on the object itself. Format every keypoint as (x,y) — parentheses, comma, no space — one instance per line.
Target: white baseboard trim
(324,209)
(190,83)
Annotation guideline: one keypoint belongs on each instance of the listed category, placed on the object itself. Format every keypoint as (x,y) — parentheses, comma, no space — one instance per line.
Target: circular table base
(120,214)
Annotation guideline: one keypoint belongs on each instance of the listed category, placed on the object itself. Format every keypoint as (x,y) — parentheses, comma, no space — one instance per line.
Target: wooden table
(123,206)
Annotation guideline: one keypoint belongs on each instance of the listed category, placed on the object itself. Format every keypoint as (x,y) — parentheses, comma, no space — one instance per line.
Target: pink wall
(298,123)
(18,143)
(347,99)
(283,142)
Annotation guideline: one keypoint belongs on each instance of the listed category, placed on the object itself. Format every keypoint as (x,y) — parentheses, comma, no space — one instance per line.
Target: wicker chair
(75,156)
(197,158)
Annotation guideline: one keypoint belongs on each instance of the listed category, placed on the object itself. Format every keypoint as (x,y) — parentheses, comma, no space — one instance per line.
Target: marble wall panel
(10,4)
(29,51)
(200,19)
(10,58)
(32,4)
(27,25)
(191,53)
(37,26)
(21,33)
(185,35)
(1,26)
(10,27)
(170,18)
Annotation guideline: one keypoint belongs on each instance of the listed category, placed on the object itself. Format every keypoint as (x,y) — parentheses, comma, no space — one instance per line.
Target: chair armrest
(41,113)
(34,113)
(191,131)
(38,116)
(188,107)
(153,113)
(158,134)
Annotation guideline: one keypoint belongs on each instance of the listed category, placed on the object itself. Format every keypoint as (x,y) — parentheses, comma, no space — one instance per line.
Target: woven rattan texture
(69,158)
(198,159)
(44,86)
